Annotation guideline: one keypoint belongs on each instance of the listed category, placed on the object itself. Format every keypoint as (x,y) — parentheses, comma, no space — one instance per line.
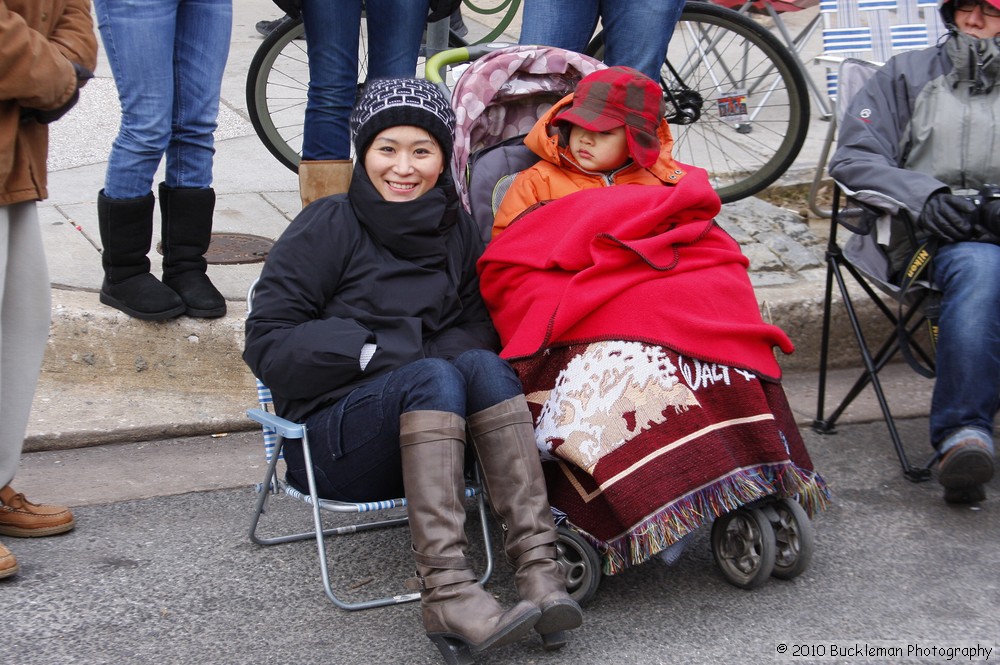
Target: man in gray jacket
(922,139)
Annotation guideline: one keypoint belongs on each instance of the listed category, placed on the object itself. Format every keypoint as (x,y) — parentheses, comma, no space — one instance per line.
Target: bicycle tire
(278,84)
(715,56)
(277,118)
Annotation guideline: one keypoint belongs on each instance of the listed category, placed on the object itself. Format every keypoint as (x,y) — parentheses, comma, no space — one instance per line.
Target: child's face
(598,151)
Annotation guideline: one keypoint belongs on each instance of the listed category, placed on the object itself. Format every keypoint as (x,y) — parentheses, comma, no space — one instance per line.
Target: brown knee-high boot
(504,439)
(459,616)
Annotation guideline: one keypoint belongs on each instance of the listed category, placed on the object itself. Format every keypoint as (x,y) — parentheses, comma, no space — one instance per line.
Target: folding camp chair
(863,258)
(872,30)
(275,431)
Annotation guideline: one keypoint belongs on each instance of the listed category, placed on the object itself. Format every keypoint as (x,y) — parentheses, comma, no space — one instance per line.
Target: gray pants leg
(25,316)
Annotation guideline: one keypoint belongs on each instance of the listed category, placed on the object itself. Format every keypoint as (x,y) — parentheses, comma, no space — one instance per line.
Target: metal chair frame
(911,318)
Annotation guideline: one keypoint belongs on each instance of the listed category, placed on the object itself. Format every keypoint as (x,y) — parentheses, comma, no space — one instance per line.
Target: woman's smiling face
(404,162)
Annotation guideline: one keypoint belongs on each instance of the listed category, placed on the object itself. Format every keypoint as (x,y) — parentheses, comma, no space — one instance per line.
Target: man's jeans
(967,388)
(167,57)
(636,32)
(332,41)
(355,442)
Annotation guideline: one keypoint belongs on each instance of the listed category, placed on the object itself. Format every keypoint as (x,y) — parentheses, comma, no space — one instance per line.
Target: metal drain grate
(235,248)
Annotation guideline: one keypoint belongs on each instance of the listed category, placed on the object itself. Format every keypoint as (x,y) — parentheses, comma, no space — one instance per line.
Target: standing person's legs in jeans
(967,387)
(355,442)
(636,32)
(332,39)
(567,24)
(201,48)
(167,58)
(144,42)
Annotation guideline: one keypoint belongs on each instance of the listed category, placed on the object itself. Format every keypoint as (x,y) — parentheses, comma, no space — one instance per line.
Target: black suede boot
(187,231)
(126,227)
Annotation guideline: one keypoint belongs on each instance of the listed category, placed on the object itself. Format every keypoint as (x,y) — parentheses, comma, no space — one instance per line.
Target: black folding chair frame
(912,320)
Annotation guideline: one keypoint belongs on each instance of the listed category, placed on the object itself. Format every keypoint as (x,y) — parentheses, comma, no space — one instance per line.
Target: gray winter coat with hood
(927,122)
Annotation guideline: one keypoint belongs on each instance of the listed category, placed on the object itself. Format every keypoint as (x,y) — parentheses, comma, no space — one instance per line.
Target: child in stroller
(630,319)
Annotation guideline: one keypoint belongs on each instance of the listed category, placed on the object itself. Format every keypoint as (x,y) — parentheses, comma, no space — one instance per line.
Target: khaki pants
(25,315)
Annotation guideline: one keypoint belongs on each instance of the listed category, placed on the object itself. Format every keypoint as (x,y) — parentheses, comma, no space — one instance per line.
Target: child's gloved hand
(948,217)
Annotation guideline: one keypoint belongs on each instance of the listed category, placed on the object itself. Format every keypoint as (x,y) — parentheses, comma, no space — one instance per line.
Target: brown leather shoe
(8,564)
(23,519)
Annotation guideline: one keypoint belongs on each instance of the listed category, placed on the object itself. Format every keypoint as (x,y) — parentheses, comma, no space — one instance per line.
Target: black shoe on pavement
(965,495)
(266,27)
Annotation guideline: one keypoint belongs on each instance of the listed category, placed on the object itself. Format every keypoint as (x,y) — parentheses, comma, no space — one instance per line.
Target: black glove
(989,217)
(948,217)
(291,7)
(45,117)
(440,9)
(983,234)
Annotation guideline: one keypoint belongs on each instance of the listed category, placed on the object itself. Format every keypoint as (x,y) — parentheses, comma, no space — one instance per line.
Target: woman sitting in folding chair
(922,137)
(368,326)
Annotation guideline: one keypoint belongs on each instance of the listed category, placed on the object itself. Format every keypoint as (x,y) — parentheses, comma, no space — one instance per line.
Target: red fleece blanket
(628,262)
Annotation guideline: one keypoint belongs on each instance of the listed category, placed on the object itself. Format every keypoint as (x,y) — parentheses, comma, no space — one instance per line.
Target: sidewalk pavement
(108,378)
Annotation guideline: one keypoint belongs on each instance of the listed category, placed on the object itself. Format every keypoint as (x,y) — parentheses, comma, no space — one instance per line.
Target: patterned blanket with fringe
(643,445)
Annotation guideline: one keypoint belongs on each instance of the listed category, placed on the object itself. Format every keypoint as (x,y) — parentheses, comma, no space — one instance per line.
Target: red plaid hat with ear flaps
(618,96)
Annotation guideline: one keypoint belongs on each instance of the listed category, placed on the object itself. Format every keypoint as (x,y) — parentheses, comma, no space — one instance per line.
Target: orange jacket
(556,175)
(39,41)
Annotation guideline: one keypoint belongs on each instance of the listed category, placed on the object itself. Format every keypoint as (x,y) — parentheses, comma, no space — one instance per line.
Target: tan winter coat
(39,41)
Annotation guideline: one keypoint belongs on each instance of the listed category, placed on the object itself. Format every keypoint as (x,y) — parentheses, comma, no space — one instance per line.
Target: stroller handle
(437,62)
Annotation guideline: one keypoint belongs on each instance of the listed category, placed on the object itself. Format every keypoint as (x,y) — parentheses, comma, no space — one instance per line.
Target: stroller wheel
(581,564)
(744,547)
(793,535)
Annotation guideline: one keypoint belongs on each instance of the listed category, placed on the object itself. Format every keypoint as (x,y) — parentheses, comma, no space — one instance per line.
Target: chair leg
(873,364)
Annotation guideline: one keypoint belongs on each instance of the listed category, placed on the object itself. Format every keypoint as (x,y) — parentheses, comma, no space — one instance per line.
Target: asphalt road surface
(898,576)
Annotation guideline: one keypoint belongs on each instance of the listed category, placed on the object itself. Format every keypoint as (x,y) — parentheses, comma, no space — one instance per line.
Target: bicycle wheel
(278,86)
(736,99)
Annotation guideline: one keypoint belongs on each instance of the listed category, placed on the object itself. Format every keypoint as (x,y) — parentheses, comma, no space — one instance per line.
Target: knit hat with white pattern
(392,102)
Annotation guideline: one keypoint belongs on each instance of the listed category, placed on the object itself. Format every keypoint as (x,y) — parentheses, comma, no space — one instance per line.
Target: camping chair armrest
(286,428)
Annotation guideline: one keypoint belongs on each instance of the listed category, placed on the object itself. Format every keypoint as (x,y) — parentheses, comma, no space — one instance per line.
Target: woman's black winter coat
(354,269)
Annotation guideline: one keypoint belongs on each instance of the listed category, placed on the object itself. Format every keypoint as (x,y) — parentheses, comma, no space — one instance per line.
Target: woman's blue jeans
(636,32)
(355,442)
(332,41)
(967,388)
(167,58)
